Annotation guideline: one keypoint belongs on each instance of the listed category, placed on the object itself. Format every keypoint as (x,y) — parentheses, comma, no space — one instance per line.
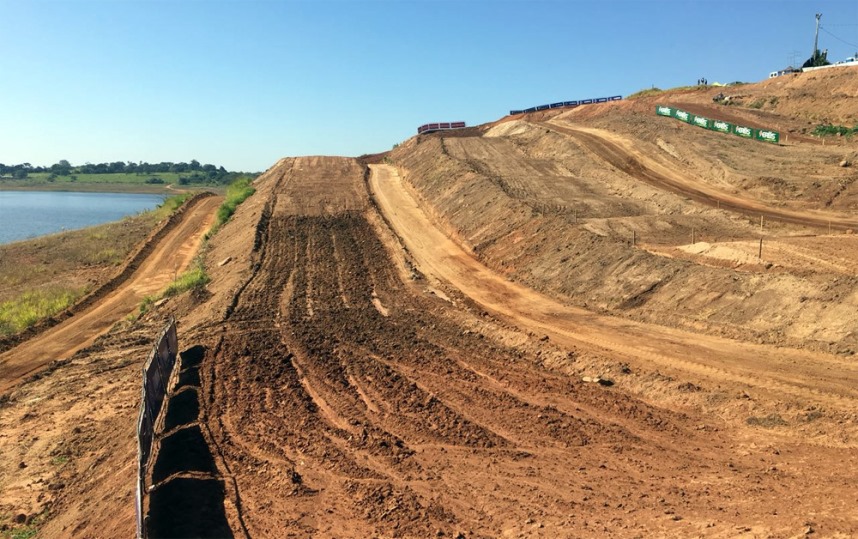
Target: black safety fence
(156,376)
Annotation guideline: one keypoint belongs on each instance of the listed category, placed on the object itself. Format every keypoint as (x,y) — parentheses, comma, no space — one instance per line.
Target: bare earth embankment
(405,351)
(46,419)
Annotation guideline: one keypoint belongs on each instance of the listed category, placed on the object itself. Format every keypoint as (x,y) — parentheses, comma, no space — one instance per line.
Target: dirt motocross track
(468,343)
(364,400)
(173,253)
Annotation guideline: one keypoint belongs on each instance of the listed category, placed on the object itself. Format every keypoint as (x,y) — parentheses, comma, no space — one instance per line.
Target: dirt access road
(620,153)
(172,255)
(782,372)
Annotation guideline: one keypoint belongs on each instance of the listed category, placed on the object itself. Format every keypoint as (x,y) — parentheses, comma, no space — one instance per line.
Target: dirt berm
(125,270)
(544,204)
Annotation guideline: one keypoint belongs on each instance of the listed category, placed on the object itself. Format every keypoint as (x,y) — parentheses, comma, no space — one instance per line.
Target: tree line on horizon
(193,172)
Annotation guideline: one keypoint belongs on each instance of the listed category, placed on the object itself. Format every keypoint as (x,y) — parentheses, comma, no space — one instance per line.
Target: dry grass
(42,276)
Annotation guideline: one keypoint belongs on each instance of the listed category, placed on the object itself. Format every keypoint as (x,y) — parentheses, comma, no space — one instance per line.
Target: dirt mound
(794,103)
(346,389)
(344,392)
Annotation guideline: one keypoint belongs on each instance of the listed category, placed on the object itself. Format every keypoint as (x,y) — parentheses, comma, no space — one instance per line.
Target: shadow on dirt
(183,408)
(188,507)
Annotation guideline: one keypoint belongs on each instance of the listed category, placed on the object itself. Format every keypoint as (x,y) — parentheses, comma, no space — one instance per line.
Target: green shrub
(172,204)
(191,279)
(237,192)
(825,130)
(645,92)
(146,304)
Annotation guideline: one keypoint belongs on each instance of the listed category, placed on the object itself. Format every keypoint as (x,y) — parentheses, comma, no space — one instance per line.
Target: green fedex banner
(700,121)
(723,127)
(768,136)
(746,132)
(682,115)
(764,135)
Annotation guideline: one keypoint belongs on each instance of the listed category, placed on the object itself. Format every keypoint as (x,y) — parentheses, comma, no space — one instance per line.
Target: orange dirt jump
(571,325)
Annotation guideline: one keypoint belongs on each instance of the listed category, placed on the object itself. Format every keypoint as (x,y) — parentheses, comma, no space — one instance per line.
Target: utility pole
(816,39)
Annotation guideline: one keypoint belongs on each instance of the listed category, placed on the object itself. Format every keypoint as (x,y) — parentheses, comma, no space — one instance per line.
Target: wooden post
(634,238)
(692,235)
(760,255)
(761,223)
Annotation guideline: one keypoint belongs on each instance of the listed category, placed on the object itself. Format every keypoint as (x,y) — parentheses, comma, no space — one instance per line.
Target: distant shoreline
(136,188)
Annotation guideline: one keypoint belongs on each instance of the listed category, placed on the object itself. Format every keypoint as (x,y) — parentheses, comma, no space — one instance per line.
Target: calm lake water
(27,214)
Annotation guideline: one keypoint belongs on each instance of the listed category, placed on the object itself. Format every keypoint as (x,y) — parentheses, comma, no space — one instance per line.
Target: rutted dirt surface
(620,154)
(813,376)
(418,362)
(172,255)
(344,401)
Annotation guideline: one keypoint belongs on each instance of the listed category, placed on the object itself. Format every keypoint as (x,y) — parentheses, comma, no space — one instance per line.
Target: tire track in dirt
(810,376)
(620,153)
(352,423)
(337,407)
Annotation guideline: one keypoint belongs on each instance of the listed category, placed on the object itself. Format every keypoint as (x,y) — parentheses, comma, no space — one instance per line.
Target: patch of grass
(147,303)
(769,421)
(22,312)
(171,204)
(237,192)
(194,278)
(645,92)
(26,532)
(10,530)
(757,104)
(824,130)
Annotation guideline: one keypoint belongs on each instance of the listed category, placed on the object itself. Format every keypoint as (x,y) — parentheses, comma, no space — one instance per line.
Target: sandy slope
(173,254)
(409,362)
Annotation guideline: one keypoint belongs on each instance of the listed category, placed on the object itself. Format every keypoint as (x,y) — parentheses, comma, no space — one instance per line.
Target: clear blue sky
(242,83)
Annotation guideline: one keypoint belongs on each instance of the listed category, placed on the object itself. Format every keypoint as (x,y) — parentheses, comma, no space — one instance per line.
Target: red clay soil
(618,152)
(342,398)
(418,362)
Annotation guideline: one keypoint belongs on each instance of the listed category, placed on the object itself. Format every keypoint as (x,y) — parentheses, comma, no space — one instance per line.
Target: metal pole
(815,39)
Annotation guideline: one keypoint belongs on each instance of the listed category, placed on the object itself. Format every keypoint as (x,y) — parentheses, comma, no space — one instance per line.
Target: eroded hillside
(482,341)
(666,228)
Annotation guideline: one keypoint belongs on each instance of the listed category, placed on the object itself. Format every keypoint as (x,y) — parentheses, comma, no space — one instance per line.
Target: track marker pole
(760,255)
